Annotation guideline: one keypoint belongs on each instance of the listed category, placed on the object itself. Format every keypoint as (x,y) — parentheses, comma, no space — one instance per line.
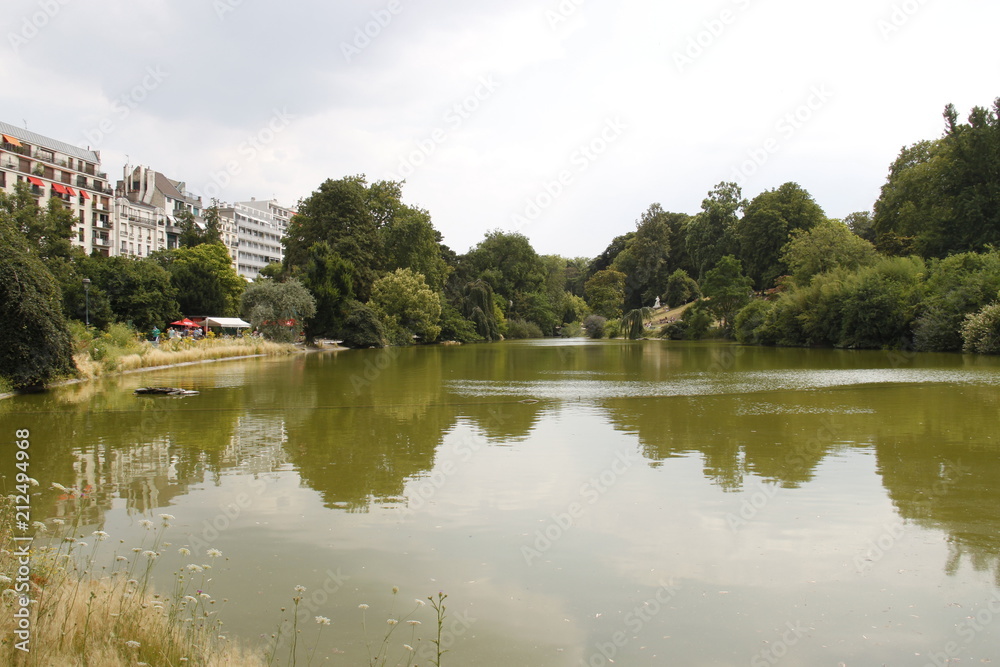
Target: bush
(981,331)
(571,330)
(594,325)
(698,321)
(681,289)
(523,329)
(362,327)
(749,325)
(675,330)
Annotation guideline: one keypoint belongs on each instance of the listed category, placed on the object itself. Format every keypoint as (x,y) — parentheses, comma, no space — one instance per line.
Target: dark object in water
(165,391)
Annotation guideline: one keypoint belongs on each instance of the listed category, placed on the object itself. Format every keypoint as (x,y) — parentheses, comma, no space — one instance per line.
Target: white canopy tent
(226,322)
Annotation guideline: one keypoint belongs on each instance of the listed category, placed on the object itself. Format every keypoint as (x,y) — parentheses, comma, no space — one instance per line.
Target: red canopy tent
(185,323)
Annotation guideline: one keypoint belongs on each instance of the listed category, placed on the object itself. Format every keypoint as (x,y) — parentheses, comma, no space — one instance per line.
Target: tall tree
(606,293)
(826,246)
(330,279)
(138,291)
(765,228)
(710,233)
(727,290)
(511,266)
(35,343)
(645,259)
(204,278)
(276,309)
(338,214)
(407,306)
(410,242)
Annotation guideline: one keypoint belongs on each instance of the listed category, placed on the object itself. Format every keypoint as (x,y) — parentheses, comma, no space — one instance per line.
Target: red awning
(60,188)
(11,140)
(70,191)
(36,181)
(84,193)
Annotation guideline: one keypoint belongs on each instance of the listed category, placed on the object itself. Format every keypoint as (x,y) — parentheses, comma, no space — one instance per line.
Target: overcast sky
(561,120)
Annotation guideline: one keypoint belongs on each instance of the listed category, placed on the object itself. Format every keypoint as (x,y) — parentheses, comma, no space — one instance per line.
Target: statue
(657,304)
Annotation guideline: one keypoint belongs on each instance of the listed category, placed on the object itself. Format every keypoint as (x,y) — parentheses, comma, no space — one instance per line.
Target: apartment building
(260,226)
(150,207)
(56,169)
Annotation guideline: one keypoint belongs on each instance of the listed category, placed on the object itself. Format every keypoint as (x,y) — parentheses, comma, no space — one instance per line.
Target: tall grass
(121,348)
(91,616)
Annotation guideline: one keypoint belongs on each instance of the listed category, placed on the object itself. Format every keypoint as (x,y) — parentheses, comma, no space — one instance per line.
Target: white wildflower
(323,620)
(213,553)
(300,589)
(146,523)
(362,606)
(184,551)
(132,644)
(100,535)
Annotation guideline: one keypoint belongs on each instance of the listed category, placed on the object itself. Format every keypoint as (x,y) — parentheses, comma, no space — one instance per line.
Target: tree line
(919,271)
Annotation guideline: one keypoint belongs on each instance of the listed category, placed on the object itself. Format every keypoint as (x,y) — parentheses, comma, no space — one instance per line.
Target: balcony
(102,241)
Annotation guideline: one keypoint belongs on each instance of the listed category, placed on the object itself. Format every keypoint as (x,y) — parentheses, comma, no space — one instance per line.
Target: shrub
(749,325)
(981,331)
(594,325)
(522,329)
(698,321)
(362,327)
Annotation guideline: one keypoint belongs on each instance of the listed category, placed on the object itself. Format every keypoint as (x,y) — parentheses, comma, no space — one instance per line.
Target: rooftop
(40,140)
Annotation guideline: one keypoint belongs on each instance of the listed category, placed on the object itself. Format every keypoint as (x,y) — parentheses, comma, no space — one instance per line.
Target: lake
(580,502)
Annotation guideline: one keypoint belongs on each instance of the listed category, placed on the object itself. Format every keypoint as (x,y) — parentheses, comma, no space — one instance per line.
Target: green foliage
(710,234)
(595,326)
(456,327)
(862,224)
(943,196)
(956,287)
(362,326)
(748,327)
(981,331)
(407,306)
(681,289)
(339,214)
(645,259)
(606,293)
(726,290)
(270,305)
(511,266)
(480,308)
(697,321)
(139,291)
(828,245)
(673,330)
(329,278)
(410,242)
(634,323)
(765,228)
(204,278)
(523,329)
(35,343)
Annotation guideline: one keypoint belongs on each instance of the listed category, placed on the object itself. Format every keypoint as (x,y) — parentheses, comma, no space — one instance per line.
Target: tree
(710,233)
(407,306)
(861,224)
(645,259)
(510,265)
(330,279)
(204,278)
(276,309)
(634,323)
(681,289)
(35,343)
(956,287)
(411,242)
(981,331)
(606,293)
(480,308)
(338,214)
(828,245)
(765,228)
(138,291)
(726,290)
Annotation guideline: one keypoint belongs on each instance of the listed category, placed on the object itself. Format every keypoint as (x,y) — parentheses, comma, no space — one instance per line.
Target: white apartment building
(260,226)
(56,169)
(149,205)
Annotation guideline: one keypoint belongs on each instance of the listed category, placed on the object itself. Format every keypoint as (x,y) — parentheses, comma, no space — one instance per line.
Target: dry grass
(111,620)
(176,352)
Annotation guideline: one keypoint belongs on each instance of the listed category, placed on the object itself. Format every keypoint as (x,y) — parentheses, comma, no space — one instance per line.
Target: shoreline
(295,349)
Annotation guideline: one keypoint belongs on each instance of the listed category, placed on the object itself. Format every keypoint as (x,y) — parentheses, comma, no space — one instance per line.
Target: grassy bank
(120,349)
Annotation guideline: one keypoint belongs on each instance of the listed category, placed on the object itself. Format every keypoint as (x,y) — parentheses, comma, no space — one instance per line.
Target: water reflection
(457,457)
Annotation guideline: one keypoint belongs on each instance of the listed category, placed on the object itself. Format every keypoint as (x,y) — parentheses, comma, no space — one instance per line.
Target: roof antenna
(25,123)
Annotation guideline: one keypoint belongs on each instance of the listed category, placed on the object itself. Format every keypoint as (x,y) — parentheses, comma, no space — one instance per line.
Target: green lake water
(646,503)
